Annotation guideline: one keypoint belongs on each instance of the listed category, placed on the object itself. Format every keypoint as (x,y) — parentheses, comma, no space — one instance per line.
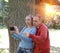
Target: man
(41,39)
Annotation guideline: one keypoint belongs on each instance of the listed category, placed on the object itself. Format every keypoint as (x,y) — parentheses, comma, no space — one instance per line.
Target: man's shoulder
(44,25)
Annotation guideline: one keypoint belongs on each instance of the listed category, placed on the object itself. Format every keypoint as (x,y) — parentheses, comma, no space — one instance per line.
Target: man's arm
(41,37)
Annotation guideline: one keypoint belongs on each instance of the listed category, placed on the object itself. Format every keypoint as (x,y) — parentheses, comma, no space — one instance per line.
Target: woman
(26,44)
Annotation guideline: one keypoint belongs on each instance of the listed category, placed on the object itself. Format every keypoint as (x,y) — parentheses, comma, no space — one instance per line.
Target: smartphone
(12,28)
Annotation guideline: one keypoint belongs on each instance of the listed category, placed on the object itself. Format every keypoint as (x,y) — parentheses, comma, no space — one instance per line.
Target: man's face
(36,21)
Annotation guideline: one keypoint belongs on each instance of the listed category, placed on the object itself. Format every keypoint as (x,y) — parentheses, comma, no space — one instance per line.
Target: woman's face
(28,21)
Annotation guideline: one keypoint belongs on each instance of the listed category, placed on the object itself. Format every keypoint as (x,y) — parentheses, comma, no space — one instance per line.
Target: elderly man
(41,39)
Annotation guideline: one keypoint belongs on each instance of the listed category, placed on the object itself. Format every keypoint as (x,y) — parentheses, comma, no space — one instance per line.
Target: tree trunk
(18,9)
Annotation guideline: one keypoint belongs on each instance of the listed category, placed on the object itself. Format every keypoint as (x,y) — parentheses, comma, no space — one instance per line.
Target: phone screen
(12,28)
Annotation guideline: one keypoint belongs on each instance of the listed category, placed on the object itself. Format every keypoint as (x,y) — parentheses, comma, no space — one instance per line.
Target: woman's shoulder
(34,28)
(24,27)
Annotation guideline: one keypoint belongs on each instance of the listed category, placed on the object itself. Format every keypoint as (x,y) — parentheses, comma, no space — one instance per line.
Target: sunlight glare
(49,9)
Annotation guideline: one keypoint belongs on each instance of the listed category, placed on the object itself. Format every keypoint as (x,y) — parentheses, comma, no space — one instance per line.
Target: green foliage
(54,23)
(3,9)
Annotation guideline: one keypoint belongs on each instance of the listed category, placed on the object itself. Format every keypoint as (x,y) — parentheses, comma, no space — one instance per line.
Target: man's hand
(26,34)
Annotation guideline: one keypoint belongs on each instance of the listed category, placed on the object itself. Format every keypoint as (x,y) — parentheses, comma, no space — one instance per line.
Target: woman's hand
(16,30)
(26,34)
(11,32)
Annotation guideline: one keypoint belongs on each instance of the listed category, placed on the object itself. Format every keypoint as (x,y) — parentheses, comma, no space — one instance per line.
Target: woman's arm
(14,35)
(23,37)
